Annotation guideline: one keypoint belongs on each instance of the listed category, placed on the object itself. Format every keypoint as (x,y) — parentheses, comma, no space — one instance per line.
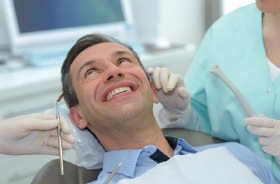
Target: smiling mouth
(117,91)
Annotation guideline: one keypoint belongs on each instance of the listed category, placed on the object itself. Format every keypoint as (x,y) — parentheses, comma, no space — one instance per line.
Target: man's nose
(113,73)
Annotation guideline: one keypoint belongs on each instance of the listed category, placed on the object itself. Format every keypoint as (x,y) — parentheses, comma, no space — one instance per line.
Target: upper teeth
(117,91)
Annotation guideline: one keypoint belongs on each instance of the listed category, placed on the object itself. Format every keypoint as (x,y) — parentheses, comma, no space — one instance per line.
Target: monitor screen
(34,24)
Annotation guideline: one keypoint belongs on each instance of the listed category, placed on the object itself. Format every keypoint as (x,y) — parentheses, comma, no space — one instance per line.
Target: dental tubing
(216,71)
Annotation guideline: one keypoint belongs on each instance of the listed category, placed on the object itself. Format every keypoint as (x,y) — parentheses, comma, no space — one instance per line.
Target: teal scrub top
(235,44)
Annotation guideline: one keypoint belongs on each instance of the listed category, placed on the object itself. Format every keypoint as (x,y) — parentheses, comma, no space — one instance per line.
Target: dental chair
(73,174)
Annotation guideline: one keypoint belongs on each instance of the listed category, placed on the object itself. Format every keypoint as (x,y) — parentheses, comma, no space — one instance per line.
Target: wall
(183,21)
(180,21)
(229,5)
(3,31)
(146,15)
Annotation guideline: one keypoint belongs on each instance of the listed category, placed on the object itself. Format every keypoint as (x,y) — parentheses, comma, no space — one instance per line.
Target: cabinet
(30,90)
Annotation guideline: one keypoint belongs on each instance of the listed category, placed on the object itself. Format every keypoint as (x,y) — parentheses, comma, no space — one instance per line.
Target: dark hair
(83,43)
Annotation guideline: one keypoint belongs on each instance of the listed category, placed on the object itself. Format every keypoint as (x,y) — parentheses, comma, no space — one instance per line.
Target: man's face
(110,84)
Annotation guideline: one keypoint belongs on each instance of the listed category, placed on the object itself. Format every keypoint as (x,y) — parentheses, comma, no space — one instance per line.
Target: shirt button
(268,90)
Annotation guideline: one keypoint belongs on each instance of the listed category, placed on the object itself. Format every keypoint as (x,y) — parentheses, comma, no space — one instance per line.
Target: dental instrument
(115,170)
(216,71)
(113,173)
(59,136)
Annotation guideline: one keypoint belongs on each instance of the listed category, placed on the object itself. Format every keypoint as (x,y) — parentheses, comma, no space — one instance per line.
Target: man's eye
(123,60)
(89,72)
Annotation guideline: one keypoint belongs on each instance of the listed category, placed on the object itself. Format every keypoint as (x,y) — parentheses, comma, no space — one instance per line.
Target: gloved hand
(269,132)
(33,134)
(171,92)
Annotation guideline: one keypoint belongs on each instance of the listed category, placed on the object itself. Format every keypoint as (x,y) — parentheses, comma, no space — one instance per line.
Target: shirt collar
(180,145)
(129,157)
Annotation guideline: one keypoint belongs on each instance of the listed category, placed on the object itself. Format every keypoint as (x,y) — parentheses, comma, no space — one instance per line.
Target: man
(108,92)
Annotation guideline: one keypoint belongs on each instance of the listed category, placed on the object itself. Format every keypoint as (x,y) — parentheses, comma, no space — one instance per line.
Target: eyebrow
(122,52)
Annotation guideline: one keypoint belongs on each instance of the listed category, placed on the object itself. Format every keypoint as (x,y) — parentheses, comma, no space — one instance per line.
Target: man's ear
(154,90)
(77,118)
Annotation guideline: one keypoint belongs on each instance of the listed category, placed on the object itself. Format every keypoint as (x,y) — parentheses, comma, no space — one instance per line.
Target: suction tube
(215,70)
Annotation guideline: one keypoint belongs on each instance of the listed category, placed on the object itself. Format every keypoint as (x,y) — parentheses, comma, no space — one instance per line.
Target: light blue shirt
(235,43)
(138,161)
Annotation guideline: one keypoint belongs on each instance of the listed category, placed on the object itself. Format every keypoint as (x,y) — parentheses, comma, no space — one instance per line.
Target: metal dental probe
(59,136)
(115,170)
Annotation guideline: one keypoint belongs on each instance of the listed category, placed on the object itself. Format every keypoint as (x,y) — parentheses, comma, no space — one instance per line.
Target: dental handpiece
(216,71)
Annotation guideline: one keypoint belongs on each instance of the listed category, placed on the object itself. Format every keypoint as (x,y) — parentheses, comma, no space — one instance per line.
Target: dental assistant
(245,44)
(33,134)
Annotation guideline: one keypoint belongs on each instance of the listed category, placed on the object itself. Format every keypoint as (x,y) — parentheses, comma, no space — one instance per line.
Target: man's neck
(136,138)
